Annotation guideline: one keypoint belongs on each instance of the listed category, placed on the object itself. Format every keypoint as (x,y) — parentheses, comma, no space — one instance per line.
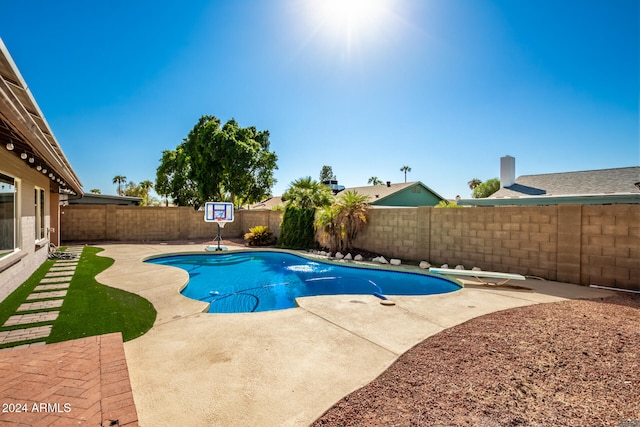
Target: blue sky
(445,87)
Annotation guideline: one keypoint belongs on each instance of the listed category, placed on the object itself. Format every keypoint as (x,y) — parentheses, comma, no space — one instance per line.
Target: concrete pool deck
(282,367)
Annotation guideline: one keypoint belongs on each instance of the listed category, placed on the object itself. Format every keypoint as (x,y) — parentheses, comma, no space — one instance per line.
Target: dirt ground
(572,363)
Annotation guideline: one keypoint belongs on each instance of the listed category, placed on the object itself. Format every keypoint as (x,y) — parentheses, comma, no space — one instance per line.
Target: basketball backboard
(218,212)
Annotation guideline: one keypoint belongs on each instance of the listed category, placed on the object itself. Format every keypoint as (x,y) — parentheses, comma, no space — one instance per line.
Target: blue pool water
(261,281)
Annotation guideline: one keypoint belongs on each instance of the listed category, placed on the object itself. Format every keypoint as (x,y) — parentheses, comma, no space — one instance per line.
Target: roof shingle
(602,181)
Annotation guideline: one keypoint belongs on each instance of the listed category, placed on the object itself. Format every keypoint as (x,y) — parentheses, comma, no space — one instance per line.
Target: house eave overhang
(29,130)
(577,199)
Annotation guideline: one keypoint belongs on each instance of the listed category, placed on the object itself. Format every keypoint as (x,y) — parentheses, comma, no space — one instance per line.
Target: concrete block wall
(511,239)
(148,223)
(249,219)
(83,223)
(580,244)
(392,232)
(610,246)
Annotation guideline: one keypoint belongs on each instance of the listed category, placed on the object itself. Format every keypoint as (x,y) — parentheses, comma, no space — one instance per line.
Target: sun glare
(349,21)
(354,13)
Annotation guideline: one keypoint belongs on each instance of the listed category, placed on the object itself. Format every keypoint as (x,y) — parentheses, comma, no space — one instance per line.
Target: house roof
(100,199)
(269,203)
(602,186)
(602,181)
(378,193)
(23,125)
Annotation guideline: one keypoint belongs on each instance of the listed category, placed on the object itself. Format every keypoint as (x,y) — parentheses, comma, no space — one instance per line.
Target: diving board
(477,274)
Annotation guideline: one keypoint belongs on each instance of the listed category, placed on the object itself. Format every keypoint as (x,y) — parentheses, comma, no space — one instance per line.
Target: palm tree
(474,183)
(328,228)
(307,194)
(95,191)
(337,226)
(353,215)
(405,169)
(146,186)
(374,181)
(119,179)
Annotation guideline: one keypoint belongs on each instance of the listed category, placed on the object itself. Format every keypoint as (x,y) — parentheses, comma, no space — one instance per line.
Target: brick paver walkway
(78,382)
(56,279)
(25,319)
(46,295)
(52,287)
(40,305)
(25,334)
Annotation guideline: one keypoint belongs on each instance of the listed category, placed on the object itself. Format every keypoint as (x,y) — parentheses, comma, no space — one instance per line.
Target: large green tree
(172,179)
(218,163)
(326,174)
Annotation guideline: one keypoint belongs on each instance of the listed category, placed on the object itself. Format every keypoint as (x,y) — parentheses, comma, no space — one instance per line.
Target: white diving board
(478,274)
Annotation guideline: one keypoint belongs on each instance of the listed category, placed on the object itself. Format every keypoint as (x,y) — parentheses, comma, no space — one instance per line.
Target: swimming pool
(270,280)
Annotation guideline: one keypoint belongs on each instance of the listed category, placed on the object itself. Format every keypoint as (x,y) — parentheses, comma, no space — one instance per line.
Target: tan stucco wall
(30,256)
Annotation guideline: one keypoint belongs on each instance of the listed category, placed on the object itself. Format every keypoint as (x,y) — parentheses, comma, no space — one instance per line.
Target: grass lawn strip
(88,309)
(91,308)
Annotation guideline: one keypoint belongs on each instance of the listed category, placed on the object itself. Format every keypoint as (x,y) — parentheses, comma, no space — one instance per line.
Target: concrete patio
(281,367)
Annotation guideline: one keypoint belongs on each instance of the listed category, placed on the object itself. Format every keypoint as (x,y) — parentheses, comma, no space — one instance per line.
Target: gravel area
(572,363)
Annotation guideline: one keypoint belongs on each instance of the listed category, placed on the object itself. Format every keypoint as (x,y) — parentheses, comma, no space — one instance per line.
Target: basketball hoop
(221,213)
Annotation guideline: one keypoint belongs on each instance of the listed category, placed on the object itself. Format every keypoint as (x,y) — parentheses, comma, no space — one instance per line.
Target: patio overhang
(25,131)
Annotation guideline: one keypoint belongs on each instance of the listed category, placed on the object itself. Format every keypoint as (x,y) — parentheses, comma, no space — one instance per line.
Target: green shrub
(260,235)
(297,230)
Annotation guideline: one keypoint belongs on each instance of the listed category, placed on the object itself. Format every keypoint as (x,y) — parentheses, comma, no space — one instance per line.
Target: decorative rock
(339,255)
(459,267)
(424,264)
(358,258)
(395,261)
(382,260)
(348,257)
(444,266)
(476,269)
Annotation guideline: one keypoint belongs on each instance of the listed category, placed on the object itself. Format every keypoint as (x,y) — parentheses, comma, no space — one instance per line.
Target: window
(38,195)
(8,217)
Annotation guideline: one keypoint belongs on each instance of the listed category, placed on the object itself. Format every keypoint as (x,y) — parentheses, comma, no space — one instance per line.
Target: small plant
(260,235)
(447,204)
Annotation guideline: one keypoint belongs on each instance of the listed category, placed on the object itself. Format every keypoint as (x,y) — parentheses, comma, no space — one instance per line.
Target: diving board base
(478,274)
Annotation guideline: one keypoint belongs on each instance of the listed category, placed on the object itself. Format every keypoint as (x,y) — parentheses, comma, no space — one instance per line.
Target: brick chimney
(507,171)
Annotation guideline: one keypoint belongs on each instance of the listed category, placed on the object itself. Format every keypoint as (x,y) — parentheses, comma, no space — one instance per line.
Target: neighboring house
(407,194)
(270,203)
(34,173)
(103,199)
(593,187)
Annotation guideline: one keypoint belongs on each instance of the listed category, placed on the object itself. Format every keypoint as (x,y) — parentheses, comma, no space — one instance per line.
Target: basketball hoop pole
(220,213)
(218,237)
